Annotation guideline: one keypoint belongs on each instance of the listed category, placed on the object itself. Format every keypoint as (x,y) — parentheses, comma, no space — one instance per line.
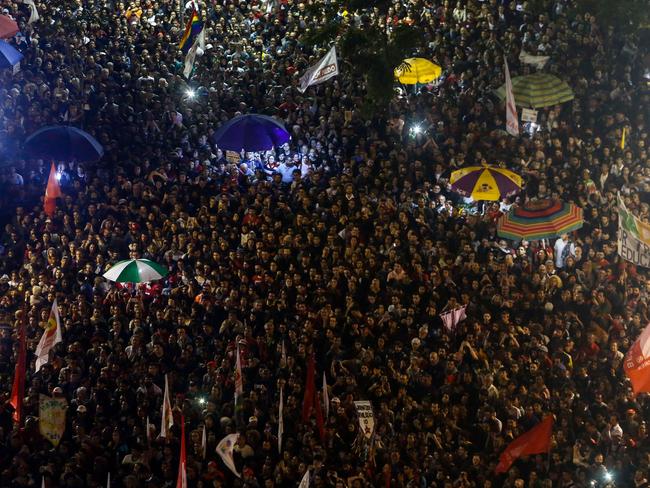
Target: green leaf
(322,36)
(372,53)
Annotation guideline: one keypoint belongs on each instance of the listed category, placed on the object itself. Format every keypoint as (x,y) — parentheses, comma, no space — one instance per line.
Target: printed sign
(529,115)
(366,418)
(633,237)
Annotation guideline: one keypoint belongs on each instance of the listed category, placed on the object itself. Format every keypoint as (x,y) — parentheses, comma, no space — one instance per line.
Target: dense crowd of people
(346,243)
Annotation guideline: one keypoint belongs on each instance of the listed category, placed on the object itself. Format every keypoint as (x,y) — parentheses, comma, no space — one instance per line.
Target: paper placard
(233,157)
(529,115)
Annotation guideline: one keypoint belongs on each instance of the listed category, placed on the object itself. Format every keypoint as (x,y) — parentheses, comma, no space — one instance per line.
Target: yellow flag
(52,418)
(623,137)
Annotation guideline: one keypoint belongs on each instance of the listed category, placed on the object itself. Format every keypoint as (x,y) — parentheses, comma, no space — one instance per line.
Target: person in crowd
(345,245)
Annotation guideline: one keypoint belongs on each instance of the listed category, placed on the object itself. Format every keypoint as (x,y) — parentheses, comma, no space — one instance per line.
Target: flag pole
(280,420)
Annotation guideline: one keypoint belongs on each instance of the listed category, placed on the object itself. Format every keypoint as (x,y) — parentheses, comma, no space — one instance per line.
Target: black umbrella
(63,143)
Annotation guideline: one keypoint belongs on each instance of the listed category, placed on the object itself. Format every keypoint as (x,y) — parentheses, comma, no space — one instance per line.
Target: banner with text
(633,237)
(51,418)
(366,417)
(326,68)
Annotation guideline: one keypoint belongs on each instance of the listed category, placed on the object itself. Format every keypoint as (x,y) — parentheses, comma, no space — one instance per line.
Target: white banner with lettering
(326,68)
(633,237)
(366,417)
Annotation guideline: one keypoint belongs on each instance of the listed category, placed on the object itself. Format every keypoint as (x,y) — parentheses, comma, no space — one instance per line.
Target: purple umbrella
(251,133)
(485,182)
(9,55)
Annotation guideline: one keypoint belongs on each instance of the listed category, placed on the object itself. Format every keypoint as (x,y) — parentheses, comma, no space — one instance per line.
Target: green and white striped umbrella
(135,271)
(538,90)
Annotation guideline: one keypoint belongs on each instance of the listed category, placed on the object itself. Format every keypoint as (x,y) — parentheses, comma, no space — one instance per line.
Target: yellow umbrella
(485,182)
(417,70)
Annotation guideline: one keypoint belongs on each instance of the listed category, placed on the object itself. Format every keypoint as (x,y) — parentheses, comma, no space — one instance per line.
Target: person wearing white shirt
(286,170)
(560,248)
(15,178)
(613,432)
(460,13)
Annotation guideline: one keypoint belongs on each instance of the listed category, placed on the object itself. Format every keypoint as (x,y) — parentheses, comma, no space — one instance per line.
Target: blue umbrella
(251,133)
(64,143)
(9,55)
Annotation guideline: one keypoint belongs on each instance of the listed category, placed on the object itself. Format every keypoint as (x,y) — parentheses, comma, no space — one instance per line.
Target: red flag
(52,192)
(637,363)
(537,440)
(18,389)
(181,481)
(239,380)
(311,402)
(310,390)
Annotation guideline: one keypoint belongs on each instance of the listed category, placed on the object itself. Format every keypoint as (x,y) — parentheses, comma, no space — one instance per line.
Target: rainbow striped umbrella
(485,182)
(542,219)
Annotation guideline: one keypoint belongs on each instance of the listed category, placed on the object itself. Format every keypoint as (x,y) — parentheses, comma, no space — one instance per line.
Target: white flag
(33,16)
(239,382)
(305,481)
(280,420)
(167,416)
(451,319)
(190,57)
(225,449)
(326,397)
(201,39)
(204,443)
(538,61)
(189,60)
(512,123)
(326,68)
(51,336)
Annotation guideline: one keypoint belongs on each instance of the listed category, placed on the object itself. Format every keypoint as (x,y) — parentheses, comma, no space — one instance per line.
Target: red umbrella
(8,27)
